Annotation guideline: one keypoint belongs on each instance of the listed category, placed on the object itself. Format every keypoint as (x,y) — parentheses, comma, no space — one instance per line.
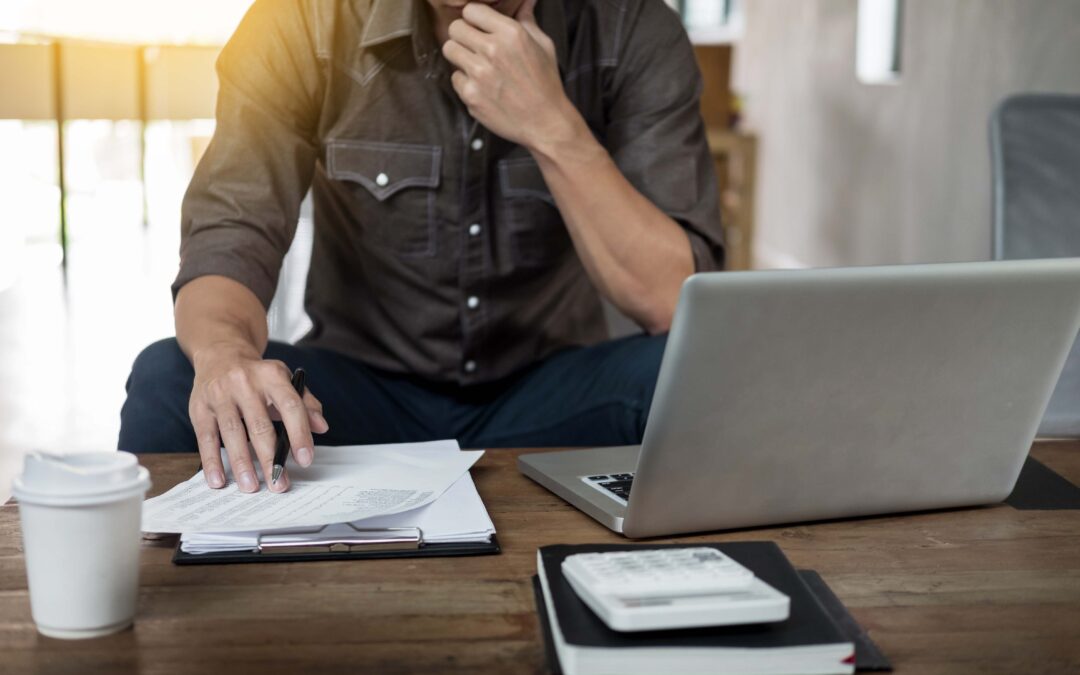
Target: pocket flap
(522,178)
(384,168)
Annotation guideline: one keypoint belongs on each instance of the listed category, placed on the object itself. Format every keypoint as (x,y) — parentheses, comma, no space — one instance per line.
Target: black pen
(281,452)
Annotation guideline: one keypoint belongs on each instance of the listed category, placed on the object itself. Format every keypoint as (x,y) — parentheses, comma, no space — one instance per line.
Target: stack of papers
(457,517)
(374,487)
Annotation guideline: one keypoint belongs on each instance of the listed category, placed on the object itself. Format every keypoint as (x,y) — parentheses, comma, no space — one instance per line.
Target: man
(481,174)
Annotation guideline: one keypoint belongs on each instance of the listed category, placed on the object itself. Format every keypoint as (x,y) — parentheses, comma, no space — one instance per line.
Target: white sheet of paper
(458,516)
(344,484)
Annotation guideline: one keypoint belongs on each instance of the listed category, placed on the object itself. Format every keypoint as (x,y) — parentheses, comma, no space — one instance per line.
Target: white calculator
(667,588)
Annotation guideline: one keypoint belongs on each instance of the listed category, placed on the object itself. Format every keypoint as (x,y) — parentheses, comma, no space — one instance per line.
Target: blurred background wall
(856,174)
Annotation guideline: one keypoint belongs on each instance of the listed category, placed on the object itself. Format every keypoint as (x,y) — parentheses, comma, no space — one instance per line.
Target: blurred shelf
(735,154)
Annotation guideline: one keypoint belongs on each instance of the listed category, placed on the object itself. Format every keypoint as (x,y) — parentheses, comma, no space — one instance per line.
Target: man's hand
(508,74)
(235,397)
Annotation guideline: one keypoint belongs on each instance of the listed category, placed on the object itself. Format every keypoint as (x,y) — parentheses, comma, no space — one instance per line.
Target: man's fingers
(316,418)
(294,415)
(526,14)
(469,36)
(236,445)
(237,409)
(461,56)
(206,434)
(282,483)
(318,423)
(263,435)
(260,428)
(487,18)
(528,21)
(466,89)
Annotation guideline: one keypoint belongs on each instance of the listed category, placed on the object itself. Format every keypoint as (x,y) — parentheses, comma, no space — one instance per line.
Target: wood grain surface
(988,590)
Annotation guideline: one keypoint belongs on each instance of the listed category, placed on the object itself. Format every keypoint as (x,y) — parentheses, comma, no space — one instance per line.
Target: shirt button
(473,302)
(382,179)
(474,230)
(478,144)
(470,366)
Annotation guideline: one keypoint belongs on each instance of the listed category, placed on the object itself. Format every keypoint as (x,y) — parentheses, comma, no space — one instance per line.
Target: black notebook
(807,642)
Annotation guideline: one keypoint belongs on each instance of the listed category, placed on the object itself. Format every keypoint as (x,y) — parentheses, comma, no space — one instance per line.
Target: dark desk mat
(868,656)
(1040,488)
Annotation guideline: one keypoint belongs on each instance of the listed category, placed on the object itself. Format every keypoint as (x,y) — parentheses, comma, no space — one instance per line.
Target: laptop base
(561,471)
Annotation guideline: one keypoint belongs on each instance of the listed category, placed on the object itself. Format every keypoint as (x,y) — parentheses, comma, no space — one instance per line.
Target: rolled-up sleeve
(240,211)
(655,132)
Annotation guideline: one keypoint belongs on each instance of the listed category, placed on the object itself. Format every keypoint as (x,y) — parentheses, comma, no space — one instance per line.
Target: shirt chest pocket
(537,234)
(392,189)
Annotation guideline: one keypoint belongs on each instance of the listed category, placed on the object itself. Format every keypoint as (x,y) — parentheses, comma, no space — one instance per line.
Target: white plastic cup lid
(82,478)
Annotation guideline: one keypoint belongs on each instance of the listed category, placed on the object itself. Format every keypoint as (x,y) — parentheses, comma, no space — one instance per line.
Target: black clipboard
(361,545)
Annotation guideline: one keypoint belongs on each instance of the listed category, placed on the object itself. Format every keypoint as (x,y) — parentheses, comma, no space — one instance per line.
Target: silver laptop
(788,396)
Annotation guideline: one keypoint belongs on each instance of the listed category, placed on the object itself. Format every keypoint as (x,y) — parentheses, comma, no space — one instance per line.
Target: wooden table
(984,590)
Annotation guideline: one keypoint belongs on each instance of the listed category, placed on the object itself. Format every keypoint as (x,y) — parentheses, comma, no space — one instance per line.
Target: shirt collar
(391,19)
(387,20)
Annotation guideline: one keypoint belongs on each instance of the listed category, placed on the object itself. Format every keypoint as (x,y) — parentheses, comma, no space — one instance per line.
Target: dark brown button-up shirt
(438,250)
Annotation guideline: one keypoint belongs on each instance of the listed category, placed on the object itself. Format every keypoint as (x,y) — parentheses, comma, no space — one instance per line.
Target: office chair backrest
(1035,142)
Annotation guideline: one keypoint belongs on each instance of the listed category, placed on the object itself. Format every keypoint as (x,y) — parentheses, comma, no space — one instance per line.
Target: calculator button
(659,572)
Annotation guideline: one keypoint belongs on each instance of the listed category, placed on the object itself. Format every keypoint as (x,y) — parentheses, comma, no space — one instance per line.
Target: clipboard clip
(388,539)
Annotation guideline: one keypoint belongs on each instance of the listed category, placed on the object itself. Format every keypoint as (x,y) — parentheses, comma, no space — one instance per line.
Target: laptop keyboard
(615,485)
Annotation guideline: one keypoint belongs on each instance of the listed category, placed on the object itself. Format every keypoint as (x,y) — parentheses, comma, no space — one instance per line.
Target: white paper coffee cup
(80,523)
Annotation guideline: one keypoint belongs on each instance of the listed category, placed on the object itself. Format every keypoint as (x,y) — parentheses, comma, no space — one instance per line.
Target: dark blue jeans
(597,395)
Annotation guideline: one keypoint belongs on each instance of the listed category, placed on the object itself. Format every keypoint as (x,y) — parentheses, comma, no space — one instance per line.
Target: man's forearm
(218,313)
(636,255)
